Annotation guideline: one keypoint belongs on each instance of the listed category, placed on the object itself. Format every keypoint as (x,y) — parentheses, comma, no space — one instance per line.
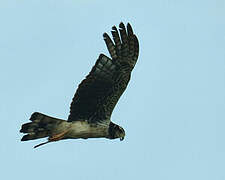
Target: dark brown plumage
(96,96)
(108,78)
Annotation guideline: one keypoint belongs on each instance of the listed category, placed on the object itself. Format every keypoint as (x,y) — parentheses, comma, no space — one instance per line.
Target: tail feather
(40,127)
(29,127)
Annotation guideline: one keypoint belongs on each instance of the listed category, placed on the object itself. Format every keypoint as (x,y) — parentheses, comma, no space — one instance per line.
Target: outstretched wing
(100,91)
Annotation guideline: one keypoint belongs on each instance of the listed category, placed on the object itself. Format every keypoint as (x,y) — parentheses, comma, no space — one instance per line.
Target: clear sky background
(173,110)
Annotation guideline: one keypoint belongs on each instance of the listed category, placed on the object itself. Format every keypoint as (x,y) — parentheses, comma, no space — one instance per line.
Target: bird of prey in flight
(96,96)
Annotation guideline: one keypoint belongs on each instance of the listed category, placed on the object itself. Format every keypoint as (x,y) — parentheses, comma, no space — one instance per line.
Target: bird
(95,97)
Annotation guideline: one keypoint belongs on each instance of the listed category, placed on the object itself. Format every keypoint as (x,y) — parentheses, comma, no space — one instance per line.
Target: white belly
(81,129)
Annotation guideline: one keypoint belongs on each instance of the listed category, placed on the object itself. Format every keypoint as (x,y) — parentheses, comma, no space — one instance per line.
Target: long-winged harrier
(96,96)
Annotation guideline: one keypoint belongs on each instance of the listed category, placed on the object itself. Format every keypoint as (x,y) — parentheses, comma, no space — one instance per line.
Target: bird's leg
(59,136)
(55,137)
(41,144)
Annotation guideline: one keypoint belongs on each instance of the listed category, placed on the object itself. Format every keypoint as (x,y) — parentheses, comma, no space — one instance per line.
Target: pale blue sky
(173,110)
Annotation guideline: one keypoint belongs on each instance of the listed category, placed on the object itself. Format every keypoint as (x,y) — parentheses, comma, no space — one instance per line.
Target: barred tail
(40,127)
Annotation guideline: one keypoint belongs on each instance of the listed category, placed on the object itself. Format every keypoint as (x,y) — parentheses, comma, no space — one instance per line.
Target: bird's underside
(96,96)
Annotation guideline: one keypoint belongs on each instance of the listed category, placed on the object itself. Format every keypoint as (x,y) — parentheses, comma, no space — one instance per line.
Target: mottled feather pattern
(40,126)
(98,94)
(104,67)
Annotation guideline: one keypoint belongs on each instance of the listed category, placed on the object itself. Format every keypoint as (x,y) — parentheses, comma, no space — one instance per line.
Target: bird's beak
(122,138)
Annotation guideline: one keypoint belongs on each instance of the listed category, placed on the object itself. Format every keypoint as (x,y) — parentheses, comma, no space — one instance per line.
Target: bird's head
(116,131)
(120,133)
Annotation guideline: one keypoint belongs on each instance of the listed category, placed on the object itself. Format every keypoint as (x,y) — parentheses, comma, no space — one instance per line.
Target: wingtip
(121,25)
(129,29)
(114,28)
(105,35)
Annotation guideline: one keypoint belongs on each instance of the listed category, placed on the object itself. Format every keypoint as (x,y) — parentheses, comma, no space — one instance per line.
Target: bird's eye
(122,138)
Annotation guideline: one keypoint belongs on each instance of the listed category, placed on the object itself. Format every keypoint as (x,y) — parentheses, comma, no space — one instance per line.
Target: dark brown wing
(100,91)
